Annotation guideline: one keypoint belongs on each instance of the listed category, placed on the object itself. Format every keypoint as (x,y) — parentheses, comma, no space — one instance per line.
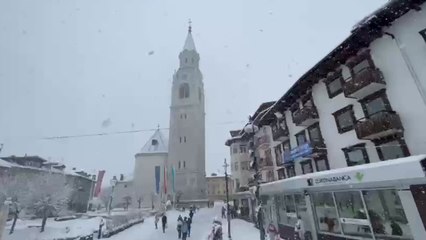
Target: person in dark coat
(179,226)
(185,228)
(164,222)
(191,214)
(189,221)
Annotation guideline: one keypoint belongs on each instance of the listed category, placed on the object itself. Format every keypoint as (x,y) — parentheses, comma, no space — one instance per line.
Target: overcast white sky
(67,66)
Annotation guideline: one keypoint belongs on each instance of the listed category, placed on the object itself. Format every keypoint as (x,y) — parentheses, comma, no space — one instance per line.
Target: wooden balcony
(305,116)
(364,83)
(378,125)
(279,134)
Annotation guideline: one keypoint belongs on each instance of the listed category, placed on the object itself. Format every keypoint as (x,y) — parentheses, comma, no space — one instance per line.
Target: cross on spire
(189,26)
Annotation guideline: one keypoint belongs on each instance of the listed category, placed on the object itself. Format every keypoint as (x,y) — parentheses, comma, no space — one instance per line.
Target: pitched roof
(189,43)
(156,144)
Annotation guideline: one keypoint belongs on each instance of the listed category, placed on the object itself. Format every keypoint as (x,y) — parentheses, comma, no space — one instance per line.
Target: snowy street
(201,227)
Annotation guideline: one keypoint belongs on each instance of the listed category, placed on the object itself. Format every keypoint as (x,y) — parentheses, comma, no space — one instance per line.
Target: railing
(378,125)
(362,79)
(279,133)
(301,116)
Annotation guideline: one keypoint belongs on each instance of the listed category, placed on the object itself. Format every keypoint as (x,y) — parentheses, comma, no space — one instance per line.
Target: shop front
(384,200)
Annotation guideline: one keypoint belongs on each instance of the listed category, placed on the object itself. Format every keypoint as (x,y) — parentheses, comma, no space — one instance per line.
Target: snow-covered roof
(156,144)
(5,164)
(189,43)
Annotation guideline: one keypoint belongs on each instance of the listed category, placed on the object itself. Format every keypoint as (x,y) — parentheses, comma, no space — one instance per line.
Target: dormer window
(154,142)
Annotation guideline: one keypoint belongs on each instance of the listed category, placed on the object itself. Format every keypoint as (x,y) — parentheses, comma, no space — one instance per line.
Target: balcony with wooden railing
(378,125)
(367,81)
(305,116)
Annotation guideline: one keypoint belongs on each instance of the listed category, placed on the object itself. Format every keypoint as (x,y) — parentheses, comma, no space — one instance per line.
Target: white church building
(174,168)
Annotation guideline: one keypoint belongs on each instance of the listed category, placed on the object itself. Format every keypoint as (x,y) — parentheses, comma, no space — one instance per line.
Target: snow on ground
(200,229)
(30,229)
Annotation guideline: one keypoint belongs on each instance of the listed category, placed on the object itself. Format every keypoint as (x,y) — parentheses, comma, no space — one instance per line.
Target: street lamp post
(225,166)
(251,128)
(113,182)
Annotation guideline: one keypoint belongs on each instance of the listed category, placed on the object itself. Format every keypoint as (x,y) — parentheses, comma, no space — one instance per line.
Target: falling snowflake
(106,123)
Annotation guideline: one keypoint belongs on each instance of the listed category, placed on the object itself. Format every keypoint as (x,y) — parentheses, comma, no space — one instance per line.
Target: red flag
(165,180)
(99,183)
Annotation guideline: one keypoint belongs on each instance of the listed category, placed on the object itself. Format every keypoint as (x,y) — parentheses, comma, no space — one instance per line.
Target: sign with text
(301,151)
(338,179)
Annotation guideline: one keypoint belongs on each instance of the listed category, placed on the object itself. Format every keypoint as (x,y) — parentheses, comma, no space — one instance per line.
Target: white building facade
(187,125)
(364,103)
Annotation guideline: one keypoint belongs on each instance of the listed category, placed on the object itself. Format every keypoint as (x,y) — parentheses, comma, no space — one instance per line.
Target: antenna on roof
(189,26)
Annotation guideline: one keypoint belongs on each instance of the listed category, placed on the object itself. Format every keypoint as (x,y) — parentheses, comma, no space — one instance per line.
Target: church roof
(156,144)
(189,42)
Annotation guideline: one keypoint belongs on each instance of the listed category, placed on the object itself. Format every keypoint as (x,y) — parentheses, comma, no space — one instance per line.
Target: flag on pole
(173,179)
(157,179)
(165,179)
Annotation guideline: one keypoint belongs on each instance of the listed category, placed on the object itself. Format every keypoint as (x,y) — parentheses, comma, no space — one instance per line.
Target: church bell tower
(187,125)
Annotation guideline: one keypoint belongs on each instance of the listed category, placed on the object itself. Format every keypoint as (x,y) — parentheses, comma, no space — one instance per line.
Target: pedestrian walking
(157,219)
(216,233)
(223,212)
(185,228)
(179,226)
(189,221)
(191,213)
(164,222)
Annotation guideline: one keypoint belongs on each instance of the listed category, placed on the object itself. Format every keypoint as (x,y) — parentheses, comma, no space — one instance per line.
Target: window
(423,33)
(184,164)
(315,134)
(245,165)
(306,166)
(179,165)
(180,139)
(184,90)
(334,87)
(236,166)
(301,138)
(352,214)
(243,148)
(345,119)
(281,173)
(186,60)
(325,210)
(385,209)
(184,139)
(356,155)
(186,116)
(290,170)
(374,103)
(278,155)
(322,164)
(286,146)
(234,150)
(391,149)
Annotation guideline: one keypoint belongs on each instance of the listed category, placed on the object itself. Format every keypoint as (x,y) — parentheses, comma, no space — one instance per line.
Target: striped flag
(173,179)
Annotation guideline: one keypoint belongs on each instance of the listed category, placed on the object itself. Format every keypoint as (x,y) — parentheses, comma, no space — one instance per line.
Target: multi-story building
(216,187)
(264,146)
(364,102)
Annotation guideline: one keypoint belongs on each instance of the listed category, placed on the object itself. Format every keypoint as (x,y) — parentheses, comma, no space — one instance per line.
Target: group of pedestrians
(184,225)
(163,221)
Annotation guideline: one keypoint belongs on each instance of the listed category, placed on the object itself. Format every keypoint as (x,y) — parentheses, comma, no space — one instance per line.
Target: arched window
(184,90)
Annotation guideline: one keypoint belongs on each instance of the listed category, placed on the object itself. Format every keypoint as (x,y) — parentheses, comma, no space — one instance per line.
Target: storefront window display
(325,211)
(386,214)
(352,213)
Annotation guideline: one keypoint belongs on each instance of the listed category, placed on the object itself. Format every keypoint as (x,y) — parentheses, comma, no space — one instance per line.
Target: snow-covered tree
(49,195)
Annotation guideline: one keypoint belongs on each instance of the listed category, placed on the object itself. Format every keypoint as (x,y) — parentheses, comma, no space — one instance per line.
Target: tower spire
(189,42)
